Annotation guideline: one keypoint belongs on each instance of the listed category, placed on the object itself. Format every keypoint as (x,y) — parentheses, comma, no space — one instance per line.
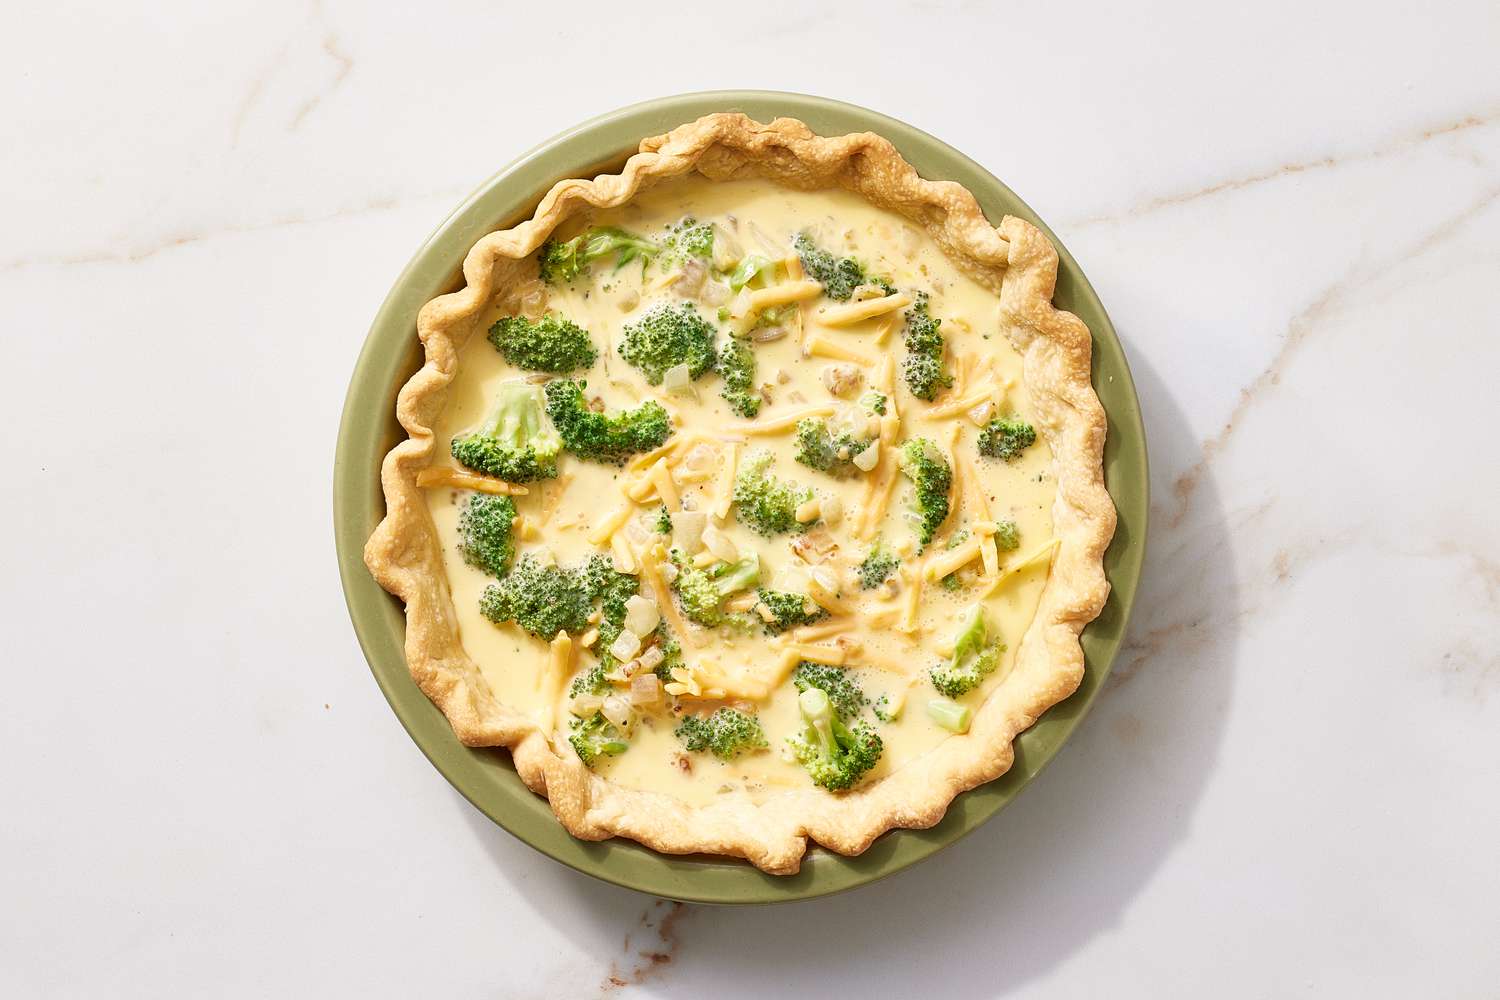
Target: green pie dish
(368,429)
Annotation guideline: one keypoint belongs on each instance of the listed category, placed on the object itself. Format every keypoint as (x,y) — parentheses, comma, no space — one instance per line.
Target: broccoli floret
(551,344)
(486,536)
(839,276)
(931,476)
(975,656)
(726,734)
(764,503)
(515,444)
(749,269)
(835,682)
(664,521)
(566,261)
(671,652)
(874,402)
(736,366)
(950,714)
(882,709)
(836,756)
(821,449)
(597,737)
(1007,536)
(591,681)
(1005,438)
(544,599)
(685,240)
(923,366)
(602,437)
(666,336)
(702,592)
(877,567)
(781,610)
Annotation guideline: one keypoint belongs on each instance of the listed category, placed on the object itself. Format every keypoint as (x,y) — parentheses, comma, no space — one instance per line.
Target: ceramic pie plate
(368,429)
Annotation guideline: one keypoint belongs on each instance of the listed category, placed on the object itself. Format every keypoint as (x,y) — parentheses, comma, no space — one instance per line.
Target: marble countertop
(1291,785)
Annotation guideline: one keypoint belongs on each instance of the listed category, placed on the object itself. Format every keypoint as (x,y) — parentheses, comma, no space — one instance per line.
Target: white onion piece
(651,657)
(867,459)
(833,508)
(668,572)
(715,293)
(678,381)
(617,710)
(586,705)
(641,616)
(645,689)
(625,646)
(687,530)
(719,545)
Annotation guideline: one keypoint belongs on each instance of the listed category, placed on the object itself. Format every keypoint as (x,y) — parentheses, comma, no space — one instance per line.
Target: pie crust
(1016,260)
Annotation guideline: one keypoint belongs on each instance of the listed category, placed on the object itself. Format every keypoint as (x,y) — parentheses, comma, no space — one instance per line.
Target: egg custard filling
(731,501)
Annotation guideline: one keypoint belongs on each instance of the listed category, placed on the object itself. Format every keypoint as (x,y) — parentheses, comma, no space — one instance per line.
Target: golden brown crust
(1016,260)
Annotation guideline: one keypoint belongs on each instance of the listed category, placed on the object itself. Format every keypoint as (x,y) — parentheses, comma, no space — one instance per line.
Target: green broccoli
(514,444)
(736,366)
(764,503)
(1007,536)
(602,437)
(749,269)
(819,448)
(874,402)
(664,521)
(923,366)
(781,610)
(950,714)
(685,240)
(929,473)
(591,681)
(551,344)
(975,656)
(835,682)
(596,737)
(702,592)
(671,650)
(563,262)
(839,276)
(726,733)
(611,589)
(669,335)
(877,566)
(1005,438)
(542,598)
(836,756)
(882,709)
(486,534)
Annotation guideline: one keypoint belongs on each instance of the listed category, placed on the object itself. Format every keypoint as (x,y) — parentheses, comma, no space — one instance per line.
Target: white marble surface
(1291,787)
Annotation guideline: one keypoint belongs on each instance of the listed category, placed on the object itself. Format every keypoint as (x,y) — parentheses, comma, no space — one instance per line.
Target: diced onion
(719,545)
(641,616)
(645,689)
(617,710)
(678,381)
(651,657)
(586,705)
(687,530)
(868,458)
(625,646)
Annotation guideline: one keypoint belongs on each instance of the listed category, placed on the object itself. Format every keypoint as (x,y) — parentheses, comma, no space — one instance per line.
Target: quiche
(752,495)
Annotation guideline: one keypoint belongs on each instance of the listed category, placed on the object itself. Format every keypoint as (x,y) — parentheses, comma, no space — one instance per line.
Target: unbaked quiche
(752,494)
